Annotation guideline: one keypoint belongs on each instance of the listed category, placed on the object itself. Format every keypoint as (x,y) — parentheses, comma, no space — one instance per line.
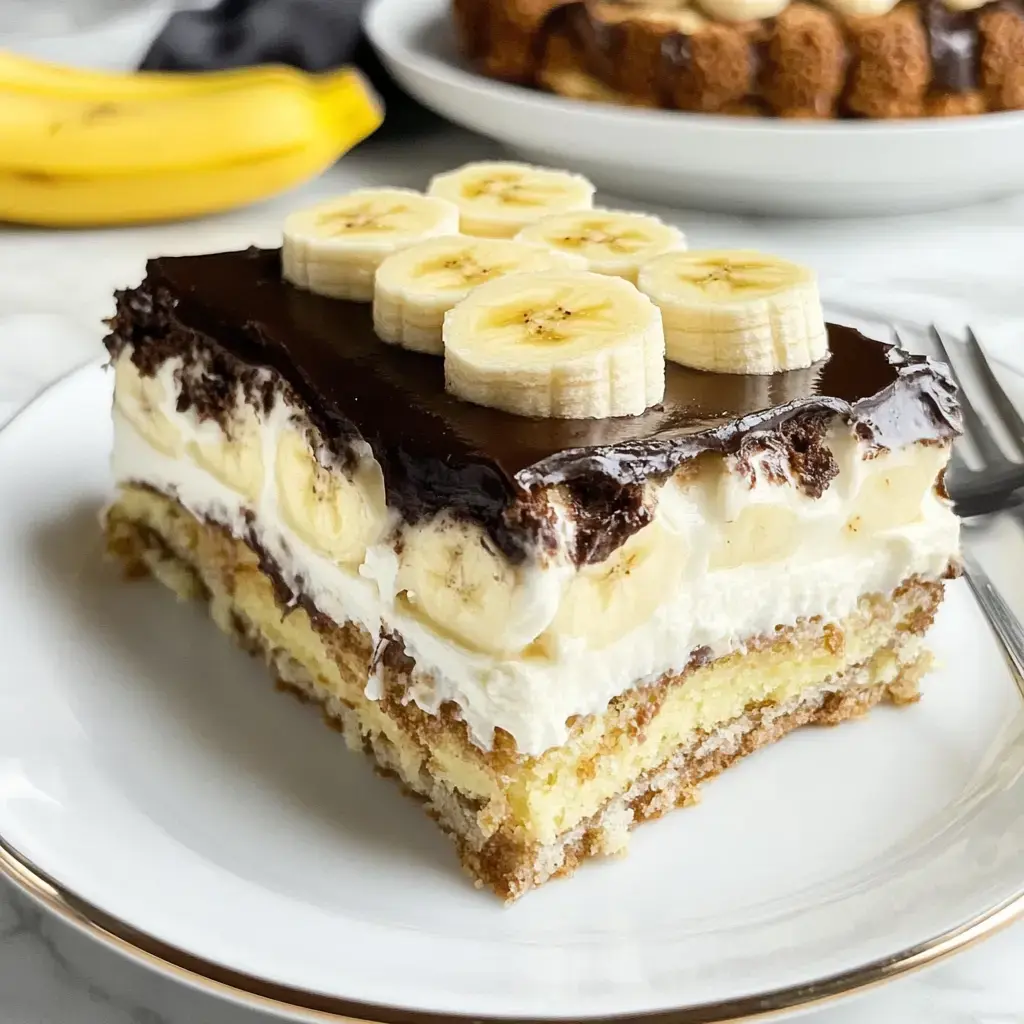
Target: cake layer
(812,60)
(520,820)
(735,548)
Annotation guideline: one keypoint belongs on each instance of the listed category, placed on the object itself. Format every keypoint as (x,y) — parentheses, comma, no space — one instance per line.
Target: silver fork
(1003,621)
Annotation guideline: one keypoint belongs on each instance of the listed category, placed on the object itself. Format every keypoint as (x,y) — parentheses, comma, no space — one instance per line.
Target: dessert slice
(550,629)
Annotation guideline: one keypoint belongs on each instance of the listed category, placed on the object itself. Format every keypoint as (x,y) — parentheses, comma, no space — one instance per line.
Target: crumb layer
(504,811)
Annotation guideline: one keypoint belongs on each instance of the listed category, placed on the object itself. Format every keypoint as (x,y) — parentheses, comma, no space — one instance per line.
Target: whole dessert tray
(811,110)
(757,58)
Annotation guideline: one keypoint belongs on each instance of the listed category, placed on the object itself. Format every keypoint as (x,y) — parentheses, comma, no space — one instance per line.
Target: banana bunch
(81,148)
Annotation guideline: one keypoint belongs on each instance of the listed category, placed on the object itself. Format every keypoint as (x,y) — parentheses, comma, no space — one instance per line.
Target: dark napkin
(314,35)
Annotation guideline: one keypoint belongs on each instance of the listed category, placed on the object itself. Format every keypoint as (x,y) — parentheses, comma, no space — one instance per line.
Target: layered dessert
(782,58)
(554,558)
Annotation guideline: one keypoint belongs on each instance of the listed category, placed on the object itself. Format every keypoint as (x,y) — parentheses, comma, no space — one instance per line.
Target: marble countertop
(950,268)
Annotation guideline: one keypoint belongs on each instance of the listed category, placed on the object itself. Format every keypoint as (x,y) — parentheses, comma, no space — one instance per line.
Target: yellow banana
(20,72)
(75,154)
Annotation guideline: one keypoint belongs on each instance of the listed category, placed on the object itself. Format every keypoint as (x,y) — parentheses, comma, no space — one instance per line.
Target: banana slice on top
(736,311)
(337,512)
(334,248)
(498,199)
(414,288)
(612,242)
(569,345)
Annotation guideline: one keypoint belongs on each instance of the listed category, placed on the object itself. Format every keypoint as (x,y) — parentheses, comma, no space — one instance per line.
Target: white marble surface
(950,268)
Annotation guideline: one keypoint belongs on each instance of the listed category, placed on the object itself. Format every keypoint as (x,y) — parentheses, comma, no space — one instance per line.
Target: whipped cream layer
(734,549)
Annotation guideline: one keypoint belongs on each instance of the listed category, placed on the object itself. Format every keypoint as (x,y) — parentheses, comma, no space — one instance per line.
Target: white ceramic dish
(832,169)
(156,791)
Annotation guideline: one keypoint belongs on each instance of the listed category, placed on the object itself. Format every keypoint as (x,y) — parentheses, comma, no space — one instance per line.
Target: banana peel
(85,148)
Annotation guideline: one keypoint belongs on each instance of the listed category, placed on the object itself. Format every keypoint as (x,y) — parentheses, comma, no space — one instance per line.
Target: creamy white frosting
(532,697)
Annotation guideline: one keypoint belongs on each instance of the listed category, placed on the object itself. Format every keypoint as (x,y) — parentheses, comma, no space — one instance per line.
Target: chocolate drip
(954,43)
(233,316)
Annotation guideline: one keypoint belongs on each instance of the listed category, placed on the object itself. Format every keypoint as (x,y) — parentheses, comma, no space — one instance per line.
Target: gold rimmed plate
(156,792)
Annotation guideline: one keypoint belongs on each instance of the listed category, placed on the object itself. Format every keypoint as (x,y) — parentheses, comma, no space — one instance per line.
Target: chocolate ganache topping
(233,314)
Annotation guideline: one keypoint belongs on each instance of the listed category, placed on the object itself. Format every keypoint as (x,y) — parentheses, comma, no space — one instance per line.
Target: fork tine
(1012,419)
(980,436)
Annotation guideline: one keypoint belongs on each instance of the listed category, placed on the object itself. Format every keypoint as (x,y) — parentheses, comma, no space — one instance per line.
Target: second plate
(742,165)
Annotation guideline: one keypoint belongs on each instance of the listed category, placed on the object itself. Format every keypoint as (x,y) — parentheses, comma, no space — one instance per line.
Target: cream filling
(822,570)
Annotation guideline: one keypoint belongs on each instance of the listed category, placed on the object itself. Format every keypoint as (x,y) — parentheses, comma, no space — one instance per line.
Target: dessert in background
(783,58)
(528,553)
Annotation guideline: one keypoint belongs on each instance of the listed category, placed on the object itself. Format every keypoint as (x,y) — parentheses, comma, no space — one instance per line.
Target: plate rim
(453,75)
(302,1004)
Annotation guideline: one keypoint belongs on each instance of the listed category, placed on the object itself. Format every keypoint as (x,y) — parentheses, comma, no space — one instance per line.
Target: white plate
(831,169)
(155,789)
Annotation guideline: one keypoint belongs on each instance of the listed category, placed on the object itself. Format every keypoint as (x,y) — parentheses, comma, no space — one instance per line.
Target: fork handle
(1004,623)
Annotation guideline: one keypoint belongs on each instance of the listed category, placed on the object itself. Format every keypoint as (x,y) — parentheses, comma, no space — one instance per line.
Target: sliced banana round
(233,456)
(865,8)
(498,199)
(736,311)
(569,345)
(451,574)
(604,602)
(612,242)
(141,401)
(964,5)
(414,288)
(743,10)
(337,512)
(334,248)
(677,15)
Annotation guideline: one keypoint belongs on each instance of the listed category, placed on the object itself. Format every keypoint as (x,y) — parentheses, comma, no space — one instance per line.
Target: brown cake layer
(920,59)
(482,798)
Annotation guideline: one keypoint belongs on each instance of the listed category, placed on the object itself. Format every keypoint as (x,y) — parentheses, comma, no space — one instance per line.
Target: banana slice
(675,15)
(571,345)
(737,311)
(611,241)
(452,575)
(868,8)
(141,400)
(414,288)
(334,249)
(759,534)
(743,10)
(894,490)
(496,200)
(604,602)
(234,457)
(337,513)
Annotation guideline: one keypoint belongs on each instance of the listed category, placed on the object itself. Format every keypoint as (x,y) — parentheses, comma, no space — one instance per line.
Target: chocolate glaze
(233,314)
(954,44)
